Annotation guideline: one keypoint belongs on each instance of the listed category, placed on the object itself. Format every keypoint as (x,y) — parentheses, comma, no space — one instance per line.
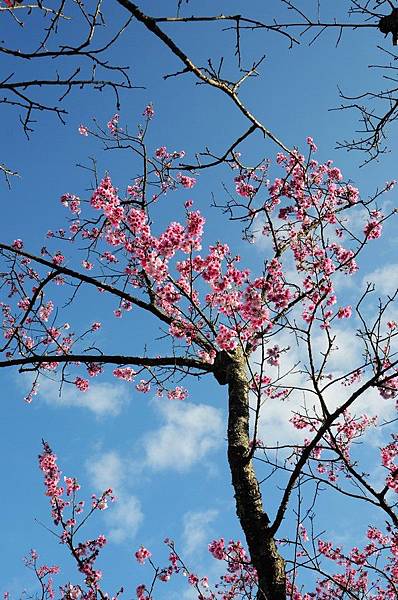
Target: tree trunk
(264,554)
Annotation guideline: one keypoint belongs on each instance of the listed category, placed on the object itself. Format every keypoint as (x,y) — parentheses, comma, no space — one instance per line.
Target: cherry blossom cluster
(63,497)
(337,442)
(242,301)
(43,574)
(389,455)
(241,576)
(311,199)
(263,386)
(239,580)
(371,572)
(348,429)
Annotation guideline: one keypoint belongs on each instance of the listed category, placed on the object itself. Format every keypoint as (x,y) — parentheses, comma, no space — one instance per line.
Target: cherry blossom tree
(268,337)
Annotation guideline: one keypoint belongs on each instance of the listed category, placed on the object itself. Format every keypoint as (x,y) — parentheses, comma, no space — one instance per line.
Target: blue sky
(166,462)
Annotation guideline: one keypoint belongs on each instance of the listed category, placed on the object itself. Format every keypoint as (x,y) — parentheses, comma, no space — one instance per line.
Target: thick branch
(142,361)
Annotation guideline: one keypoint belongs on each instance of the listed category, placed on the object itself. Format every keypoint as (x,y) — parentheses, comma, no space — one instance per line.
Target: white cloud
(189,433)
(385,279)
(101,398)
(124,516)
(371,403)
(106,471)
(196,530)
(346,352)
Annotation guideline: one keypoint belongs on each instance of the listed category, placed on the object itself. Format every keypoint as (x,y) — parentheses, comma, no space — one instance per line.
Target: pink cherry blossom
(58,259)
(217,549)
(373,229)
(344,312)
(179,393)
(311,144)
(143,386)
(17,244)
(83,130)
(149,111)
(125,373)
(113,124)
(81,384)
(187,182)
(142,554)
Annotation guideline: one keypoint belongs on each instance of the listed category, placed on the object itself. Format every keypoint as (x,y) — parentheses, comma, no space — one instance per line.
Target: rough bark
(270,566)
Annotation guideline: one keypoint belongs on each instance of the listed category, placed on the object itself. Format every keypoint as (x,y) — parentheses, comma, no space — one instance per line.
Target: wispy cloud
(385,279)
(189,433)
(125,516)
(196,530)
(101,398)
(106,470)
